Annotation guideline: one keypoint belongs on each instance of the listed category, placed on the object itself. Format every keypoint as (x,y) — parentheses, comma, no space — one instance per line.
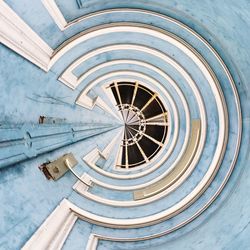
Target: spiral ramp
(152,100)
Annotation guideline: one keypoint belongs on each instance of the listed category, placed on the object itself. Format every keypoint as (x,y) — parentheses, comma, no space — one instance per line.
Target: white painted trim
(125,27)
(175,119)
(176,183)
(54,230)
(189,51)
(55,13)
(178,207)
(68,71)
(89,103)
(236,97)
(111,99)
(162,56)
(94,238)
(130,62)
(95,154)
(18,36)
(83,184)
(175,115)
(105,153)
(92,242)
(147,220)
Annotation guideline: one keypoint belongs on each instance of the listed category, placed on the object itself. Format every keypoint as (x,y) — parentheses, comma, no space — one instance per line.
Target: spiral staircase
(150,98)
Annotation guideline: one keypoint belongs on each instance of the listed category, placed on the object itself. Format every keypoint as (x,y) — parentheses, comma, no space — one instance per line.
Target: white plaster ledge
(18,36)
(54,230)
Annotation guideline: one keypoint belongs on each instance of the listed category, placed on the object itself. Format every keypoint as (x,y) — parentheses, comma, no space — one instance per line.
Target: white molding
(89,103)
(93,156)
(92,242)
(174,114)
(69,80)
(69,73)
(188,161)
(54,230)
(188,50)
(175,183)
(51,230)
(55,13)
(126,27)
(174,40)
(149,219)
(83,185)
(17,35)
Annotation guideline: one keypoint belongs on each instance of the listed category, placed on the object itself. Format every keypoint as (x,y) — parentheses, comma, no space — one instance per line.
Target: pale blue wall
(24,190)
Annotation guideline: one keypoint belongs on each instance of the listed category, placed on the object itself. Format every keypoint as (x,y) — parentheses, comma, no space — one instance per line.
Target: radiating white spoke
(135,119)
(118,93)
(119,155)
(135,122)
(160,116)
(131,132)
(149,101)
(126,155)
(142,152)
(125,113)
(130,116)
(149,137)
(158,123)
(128,112)
(134,94)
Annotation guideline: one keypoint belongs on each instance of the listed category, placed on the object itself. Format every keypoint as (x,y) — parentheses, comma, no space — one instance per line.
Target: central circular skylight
(145,123)
(134,122)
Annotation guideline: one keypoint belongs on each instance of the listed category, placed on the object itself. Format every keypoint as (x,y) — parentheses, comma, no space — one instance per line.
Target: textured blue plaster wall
(23,189)
(27,197)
